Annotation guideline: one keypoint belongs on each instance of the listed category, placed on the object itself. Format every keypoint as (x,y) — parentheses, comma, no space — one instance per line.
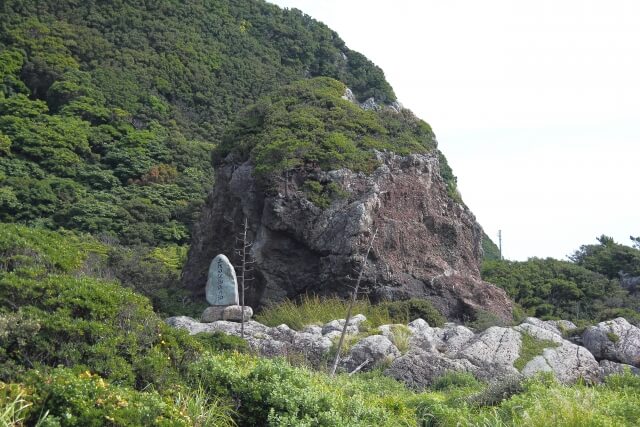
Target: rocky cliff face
(427,246)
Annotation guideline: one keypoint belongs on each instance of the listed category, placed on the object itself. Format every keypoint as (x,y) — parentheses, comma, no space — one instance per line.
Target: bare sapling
(245,268)
(354,296)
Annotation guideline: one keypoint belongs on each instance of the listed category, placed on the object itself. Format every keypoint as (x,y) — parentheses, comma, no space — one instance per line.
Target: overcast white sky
(536,104)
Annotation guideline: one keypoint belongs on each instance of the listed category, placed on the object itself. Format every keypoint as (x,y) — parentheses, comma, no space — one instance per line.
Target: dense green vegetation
(109,112)
(585,290)
(308,124)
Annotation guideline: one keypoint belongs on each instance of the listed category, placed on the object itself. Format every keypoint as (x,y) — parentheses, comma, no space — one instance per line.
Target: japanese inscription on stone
(222,285)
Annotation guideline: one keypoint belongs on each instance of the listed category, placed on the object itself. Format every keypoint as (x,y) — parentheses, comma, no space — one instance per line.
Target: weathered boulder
(449,340)
(616,340)
(607,367)
(337,325)
(267,341)
(373,349)
(419,369)
(428,245)
(496,346)
(233,313)
(490,355)
(568,362)
(555,326)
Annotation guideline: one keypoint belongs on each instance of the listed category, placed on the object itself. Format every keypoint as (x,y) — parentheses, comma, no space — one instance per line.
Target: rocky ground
(417,354)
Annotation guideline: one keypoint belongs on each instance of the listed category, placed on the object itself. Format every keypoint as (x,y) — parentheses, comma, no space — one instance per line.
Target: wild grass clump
(531,347)
(320,310)
(400,337)
(316,310)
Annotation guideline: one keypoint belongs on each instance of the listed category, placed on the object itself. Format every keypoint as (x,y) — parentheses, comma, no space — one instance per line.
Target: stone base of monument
(231,313)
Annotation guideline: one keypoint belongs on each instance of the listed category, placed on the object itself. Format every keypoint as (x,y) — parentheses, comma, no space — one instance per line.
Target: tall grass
(318,310)
(13,410)
(204,410)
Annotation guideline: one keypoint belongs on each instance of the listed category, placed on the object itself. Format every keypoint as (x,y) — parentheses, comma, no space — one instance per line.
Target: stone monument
(222,284)
(222,293)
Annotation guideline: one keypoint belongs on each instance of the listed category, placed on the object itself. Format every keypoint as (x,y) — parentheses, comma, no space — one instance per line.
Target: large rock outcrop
(428,245)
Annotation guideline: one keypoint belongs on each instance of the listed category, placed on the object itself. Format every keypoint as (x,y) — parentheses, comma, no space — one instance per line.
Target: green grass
(531,347)
(542,402)
(315,310)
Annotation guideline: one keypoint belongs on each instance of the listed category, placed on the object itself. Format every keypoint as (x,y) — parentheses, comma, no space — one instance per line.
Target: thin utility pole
(500,243)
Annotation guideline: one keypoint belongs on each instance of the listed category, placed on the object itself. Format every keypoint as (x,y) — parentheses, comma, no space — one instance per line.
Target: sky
(536,105)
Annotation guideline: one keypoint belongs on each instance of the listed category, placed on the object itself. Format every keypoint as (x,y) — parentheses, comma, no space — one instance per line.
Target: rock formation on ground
(495,354)
(428,245)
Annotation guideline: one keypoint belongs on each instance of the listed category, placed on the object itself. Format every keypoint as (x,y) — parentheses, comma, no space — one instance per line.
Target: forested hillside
(109,111)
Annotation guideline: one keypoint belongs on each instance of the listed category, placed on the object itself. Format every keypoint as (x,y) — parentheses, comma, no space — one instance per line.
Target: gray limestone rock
(616,340)
(607,367)
(313,329)
(338,325)
(568,363)
(374,349)
(496,346)
(222,285)
(419,369)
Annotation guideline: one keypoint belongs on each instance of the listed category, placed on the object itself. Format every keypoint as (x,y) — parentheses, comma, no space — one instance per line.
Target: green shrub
(74,398)
(219,341)
(455,380)
(271,392)
(87,322)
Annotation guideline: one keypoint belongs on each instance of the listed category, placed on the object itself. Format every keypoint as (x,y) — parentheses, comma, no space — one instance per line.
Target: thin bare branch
(353,300)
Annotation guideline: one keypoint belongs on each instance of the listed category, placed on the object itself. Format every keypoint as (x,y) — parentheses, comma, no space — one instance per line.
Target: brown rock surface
(428,244)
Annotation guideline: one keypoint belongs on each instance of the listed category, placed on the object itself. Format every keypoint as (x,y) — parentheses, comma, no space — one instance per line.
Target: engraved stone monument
(222,285)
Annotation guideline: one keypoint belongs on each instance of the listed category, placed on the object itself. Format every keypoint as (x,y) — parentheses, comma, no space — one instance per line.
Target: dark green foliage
(270,392)
(609,258)
(408,310)
(489,248)
(53,313)
(549,288)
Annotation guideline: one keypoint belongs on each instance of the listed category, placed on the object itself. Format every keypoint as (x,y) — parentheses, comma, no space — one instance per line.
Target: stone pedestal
(231,313)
